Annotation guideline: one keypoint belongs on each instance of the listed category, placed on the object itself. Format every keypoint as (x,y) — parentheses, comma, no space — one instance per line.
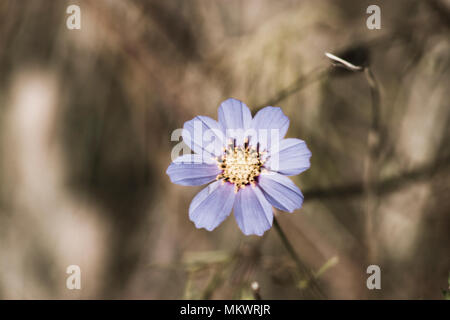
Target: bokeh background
(86,118)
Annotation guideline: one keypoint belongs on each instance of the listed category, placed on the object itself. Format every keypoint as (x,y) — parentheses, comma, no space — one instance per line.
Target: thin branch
(302,268)
(339,62)
(255,290)
(302,82)
(213,284)
(371,165)
(371,158)
(385,186)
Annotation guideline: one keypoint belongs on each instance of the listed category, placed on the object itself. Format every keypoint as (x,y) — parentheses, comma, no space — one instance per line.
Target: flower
(249,161)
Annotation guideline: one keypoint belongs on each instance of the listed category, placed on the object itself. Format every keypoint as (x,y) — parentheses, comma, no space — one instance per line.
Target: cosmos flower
(247,160)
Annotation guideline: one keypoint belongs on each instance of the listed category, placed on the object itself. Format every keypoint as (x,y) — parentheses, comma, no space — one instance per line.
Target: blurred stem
(371,163)
(255,290)
(188,286)
(256,295)
(382,187)
(371,158)
(214,283)
(304,271)
(300,83)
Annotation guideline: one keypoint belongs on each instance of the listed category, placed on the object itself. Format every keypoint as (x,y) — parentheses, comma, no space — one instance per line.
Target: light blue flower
(249,161)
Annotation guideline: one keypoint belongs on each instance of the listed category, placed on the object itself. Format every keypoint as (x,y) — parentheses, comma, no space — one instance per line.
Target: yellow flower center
(240,165)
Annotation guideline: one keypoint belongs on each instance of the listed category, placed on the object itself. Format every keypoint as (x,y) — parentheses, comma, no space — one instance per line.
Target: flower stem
(304,271)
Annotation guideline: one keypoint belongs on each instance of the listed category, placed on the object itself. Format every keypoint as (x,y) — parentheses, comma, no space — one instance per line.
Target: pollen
(240,165)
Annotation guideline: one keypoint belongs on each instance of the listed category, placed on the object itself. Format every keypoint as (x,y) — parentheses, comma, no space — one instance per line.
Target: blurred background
(86,118)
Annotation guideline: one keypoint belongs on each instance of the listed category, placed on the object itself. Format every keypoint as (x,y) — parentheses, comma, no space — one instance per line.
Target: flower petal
(234,114)
(252,211)
(212,205)
(236,118)
(269,123)
(290,157)
(204,136)
(281,192)
(189,170)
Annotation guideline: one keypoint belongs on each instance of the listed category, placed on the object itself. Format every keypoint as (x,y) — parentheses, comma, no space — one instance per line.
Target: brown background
(85,124)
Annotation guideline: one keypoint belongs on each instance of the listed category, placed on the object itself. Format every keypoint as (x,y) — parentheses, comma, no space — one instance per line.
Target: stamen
(240,165)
